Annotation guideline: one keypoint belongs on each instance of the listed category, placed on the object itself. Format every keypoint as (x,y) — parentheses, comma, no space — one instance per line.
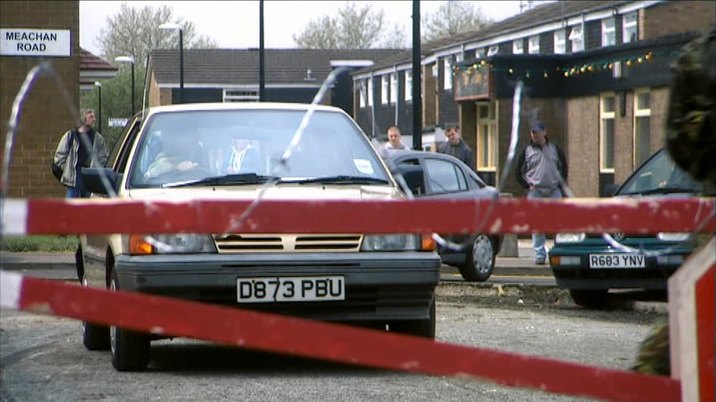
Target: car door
(94,247)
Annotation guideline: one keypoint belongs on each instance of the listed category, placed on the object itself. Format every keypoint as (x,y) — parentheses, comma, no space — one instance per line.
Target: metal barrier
(234,326)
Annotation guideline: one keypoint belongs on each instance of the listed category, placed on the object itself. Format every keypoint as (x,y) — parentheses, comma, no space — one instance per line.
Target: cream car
(231,151)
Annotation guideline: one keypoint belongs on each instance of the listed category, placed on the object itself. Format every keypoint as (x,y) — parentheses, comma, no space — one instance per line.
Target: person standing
(542,170)
(456,147)
(394,143)
(80,147)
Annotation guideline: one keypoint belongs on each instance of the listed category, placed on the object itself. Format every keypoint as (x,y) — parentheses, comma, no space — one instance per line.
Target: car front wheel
(480,261)
(130,349)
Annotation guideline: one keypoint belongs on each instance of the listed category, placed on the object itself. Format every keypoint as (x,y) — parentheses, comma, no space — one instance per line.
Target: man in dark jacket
(456,147)
(542,170)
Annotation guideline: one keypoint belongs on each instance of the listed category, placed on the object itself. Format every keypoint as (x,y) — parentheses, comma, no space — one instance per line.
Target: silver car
(230,151)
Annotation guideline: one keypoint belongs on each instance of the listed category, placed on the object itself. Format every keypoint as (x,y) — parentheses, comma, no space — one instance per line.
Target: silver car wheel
(482,254)
(112,328)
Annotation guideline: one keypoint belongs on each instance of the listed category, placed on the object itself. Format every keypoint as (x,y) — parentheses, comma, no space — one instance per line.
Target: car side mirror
(93,180)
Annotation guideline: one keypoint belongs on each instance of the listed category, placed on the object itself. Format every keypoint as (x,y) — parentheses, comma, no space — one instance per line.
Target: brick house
(597,72)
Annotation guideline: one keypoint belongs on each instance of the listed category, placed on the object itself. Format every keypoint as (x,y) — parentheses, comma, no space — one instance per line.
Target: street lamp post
(99,104)
(175,26)
(128,59)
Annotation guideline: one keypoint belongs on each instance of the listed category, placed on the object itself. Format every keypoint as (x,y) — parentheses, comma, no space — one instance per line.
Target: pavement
(61,265)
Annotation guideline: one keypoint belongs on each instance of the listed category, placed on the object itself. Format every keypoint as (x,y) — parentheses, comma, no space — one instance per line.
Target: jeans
(539,239)
(78,191)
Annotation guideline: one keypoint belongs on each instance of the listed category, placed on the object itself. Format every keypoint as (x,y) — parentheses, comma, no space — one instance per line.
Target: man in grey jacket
(542,170)
(78,148)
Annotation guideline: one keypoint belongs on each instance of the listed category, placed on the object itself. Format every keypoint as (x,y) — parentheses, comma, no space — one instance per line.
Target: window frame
(369,92)
(560,45)
(447,74)
(605,115)
(408,79)
(384,89)
(628,25)
(518,46)
(576,36)
(609,34)
(490,137)
(393,95)
(533,48)
(493,50)
(640,112)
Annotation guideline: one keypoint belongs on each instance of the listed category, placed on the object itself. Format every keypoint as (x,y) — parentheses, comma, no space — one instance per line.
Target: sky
(234,24)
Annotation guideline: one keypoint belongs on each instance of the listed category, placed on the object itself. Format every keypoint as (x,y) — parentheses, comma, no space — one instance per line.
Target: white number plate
(290,289)
(616,261)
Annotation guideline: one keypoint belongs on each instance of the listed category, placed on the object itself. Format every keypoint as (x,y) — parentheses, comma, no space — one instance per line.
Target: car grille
(251,243)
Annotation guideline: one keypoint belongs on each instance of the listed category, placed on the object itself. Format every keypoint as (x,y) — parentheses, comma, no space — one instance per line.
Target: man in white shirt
(394,144)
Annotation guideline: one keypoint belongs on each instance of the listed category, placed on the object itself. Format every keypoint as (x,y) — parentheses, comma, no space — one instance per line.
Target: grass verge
(39,243)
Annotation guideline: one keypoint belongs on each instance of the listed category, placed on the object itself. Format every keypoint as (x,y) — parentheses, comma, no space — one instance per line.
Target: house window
(393,96)
(486,136)
(493,50)
(577,38)
(479,53)
(606,133)
(447,74)
(384,88)
(534,44)
(560,41)
(369,88)
(609,32)
(408,85)
(518,46)
(361,94)
(241,95)
(642,126)
(629,32)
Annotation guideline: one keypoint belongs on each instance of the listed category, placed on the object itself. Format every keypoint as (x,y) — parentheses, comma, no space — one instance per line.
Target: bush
(39,243)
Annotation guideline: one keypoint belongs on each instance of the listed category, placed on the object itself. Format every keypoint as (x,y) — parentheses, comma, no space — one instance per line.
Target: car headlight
(391,242)
(569,237)
(666,236)
(180,243)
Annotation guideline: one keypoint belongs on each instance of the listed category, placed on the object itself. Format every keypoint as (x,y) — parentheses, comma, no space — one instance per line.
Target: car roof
(241,106)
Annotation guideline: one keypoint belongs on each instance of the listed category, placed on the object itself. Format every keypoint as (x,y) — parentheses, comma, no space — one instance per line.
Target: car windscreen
(660,175)
(191,146)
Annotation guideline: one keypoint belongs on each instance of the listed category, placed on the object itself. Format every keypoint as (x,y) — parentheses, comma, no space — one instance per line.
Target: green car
(588,265)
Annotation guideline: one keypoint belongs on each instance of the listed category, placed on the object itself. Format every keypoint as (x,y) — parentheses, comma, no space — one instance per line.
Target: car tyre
(94,337)
(590,298)
(130,349)
(480,261)
(421,328)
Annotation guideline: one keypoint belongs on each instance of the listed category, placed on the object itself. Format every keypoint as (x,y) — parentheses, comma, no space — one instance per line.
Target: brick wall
(583,149)
(53,104)
(678,16)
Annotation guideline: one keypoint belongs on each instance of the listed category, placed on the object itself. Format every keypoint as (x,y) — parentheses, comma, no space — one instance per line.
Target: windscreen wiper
(664,190)
(225,180)
(342,179)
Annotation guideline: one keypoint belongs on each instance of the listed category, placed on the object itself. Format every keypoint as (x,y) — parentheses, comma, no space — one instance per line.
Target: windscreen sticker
(363,166)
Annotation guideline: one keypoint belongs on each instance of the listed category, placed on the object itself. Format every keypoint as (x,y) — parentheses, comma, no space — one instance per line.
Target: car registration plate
(616,261)
(290,289)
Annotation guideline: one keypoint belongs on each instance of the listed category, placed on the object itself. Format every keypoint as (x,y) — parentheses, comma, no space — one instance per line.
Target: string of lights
(569,70)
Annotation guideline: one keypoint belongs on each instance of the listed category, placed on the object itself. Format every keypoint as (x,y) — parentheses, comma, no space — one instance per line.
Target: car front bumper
(378,286)
(577,274)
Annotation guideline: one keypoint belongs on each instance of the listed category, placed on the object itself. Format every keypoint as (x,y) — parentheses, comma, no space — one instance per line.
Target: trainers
(540,260)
